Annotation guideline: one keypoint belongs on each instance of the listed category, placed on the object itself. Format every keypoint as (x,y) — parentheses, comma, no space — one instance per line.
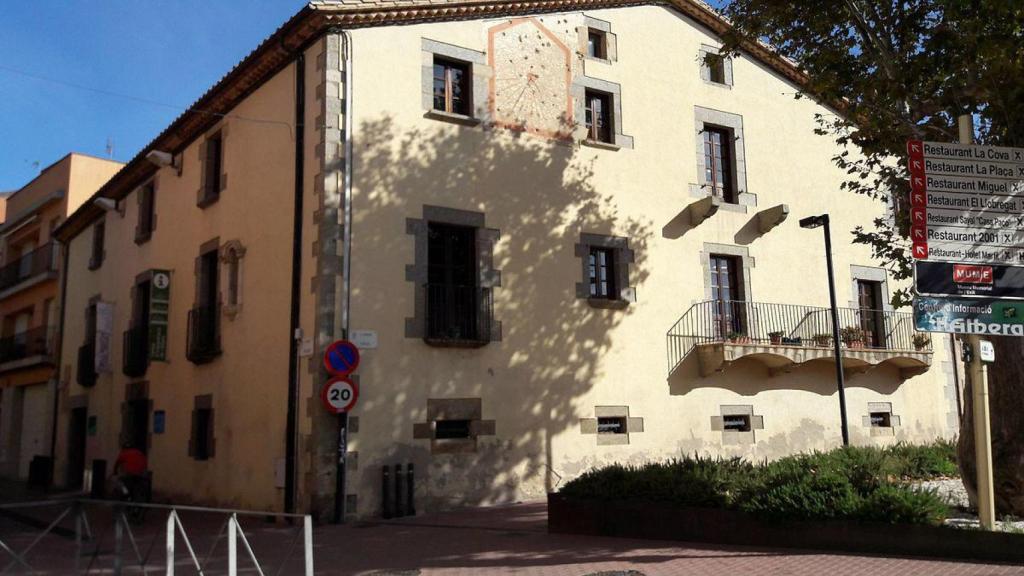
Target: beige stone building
(29,293)
(562,234)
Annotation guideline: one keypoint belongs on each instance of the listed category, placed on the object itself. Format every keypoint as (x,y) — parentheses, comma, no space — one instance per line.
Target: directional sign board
(341,358)
(967,203)
(978,280)
(339,395)
(969,316)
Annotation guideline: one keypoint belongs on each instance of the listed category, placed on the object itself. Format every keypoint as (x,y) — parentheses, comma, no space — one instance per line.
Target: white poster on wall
(104,328)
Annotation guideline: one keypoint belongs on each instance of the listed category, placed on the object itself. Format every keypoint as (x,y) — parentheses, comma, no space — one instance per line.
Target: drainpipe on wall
(291,425)
(58,348)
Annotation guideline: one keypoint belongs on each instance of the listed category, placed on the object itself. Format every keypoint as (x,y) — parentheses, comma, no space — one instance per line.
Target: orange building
(29,297)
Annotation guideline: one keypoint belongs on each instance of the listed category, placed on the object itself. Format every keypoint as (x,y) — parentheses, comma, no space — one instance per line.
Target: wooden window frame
(726,189)
(449,64)
(147,213)
(609,280)
(600,123)
(97,253)
(214,179)
(597,44)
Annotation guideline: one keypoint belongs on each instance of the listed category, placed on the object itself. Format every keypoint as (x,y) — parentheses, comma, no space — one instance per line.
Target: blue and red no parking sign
(341,358)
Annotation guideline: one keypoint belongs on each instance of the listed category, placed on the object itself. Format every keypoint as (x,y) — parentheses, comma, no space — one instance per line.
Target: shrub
(923,462)
(790,491)
(903,505)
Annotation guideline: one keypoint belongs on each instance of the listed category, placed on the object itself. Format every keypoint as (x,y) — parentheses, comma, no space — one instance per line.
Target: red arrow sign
(918,233)
(920,250)
(914,148)
(917,183)
(918,216)
(918,199)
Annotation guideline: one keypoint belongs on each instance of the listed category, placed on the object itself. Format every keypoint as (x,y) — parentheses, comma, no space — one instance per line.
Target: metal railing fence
(790,325)
(34,342)
(36,262)
(128,553)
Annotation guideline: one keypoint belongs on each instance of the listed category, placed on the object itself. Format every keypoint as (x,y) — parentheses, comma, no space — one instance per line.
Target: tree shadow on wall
(540,195)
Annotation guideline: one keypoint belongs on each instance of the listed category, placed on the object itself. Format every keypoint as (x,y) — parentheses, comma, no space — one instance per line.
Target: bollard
(399,492)
(410,488)
(385,493)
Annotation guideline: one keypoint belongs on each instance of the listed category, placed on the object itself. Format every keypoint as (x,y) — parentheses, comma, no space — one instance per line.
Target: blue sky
(166,51)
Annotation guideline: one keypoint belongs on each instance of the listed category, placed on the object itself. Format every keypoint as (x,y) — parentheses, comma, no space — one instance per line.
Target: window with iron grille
(458,309)
(98,233)
(736,422)
(599,116)
(452,87)
(147,213)
(451,429)
(602,273)
(611,425)
(719,168)
(881,420)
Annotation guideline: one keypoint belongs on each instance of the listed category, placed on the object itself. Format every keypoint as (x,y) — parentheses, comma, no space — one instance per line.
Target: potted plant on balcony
(921,341)
(738,338)
(823,340)
(852,336)
(775,337)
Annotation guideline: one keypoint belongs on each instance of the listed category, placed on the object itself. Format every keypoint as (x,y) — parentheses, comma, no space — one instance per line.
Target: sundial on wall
(530,89)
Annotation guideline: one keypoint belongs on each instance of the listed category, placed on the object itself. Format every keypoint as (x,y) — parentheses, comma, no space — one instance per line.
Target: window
(611,425)
(458,309)
(881,420)
(86,368)
(597,44)
(872,318)
(213,164)
(135,361)
(736,423)
(599,116)
(452,93)
(96,258)
(602,273)
(144,229)
(451,429)
(716,68)
(201,443)
(726,296)
(718,163)
(204,318)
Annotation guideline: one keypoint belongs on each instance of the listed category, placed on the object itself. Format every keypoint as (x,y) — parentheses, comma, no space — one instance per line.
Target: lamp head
(814,221)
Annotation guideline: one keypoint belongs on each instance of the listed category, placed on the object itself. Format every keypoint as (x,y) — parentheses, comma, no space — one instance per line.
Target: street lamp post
(816,222)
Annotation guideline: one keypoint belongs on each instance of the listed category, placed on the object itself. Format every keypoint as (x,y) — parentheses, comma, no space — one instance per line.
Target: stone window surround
(232,252)
(470,409)
(202,402)
(479,75)
(870,274)
(621,260)
(734,124)
(589,426)
(140,236)
(733,437)
(416,327)
(705,70)
(747,262)
(611,48)
(580,86)
(205,198)
(894,420)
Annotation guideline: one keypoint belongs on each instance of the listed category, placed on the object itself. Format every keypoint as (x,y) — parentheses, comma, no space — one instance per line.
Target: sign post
(339,396)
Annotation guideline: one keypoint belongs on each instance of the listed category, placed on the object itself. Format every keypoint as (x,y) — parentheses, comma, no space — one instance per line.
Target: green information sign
(159,314)
(984,317)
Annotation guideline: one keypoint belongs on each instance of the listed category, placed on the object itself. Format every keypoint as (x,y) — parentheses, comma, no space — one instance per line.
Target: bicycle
(129,489)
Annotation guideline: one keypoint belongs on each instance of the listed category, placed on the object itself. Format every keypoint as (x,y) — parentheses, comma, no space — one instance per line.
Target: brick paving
(499,540)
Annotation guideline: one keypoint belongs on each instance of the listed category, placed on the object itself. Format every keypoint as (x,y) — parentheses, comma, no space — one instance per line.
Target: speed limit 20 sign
(339,395)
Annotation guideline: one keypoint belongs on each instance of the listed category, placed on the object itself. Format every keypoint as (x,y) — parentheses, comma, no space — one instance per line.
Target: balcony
(29,269)
(136,352)
(458,316)
(28,348)
(783,337)
(203,334)
(87,365)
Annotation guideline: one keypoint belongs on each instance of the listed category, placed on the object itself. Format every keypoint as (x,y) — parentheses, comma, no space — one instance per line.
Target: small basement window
(451,429)
(611,425)
(881,420)
(736,423)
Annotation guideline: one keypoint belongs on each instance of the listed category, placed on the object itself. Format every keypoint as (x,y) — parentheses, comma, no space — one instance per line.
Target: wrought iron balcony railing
(136,352)
(86,373)
(458,315)
(791,325)
(39,261)
(203,334)
(37,342)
